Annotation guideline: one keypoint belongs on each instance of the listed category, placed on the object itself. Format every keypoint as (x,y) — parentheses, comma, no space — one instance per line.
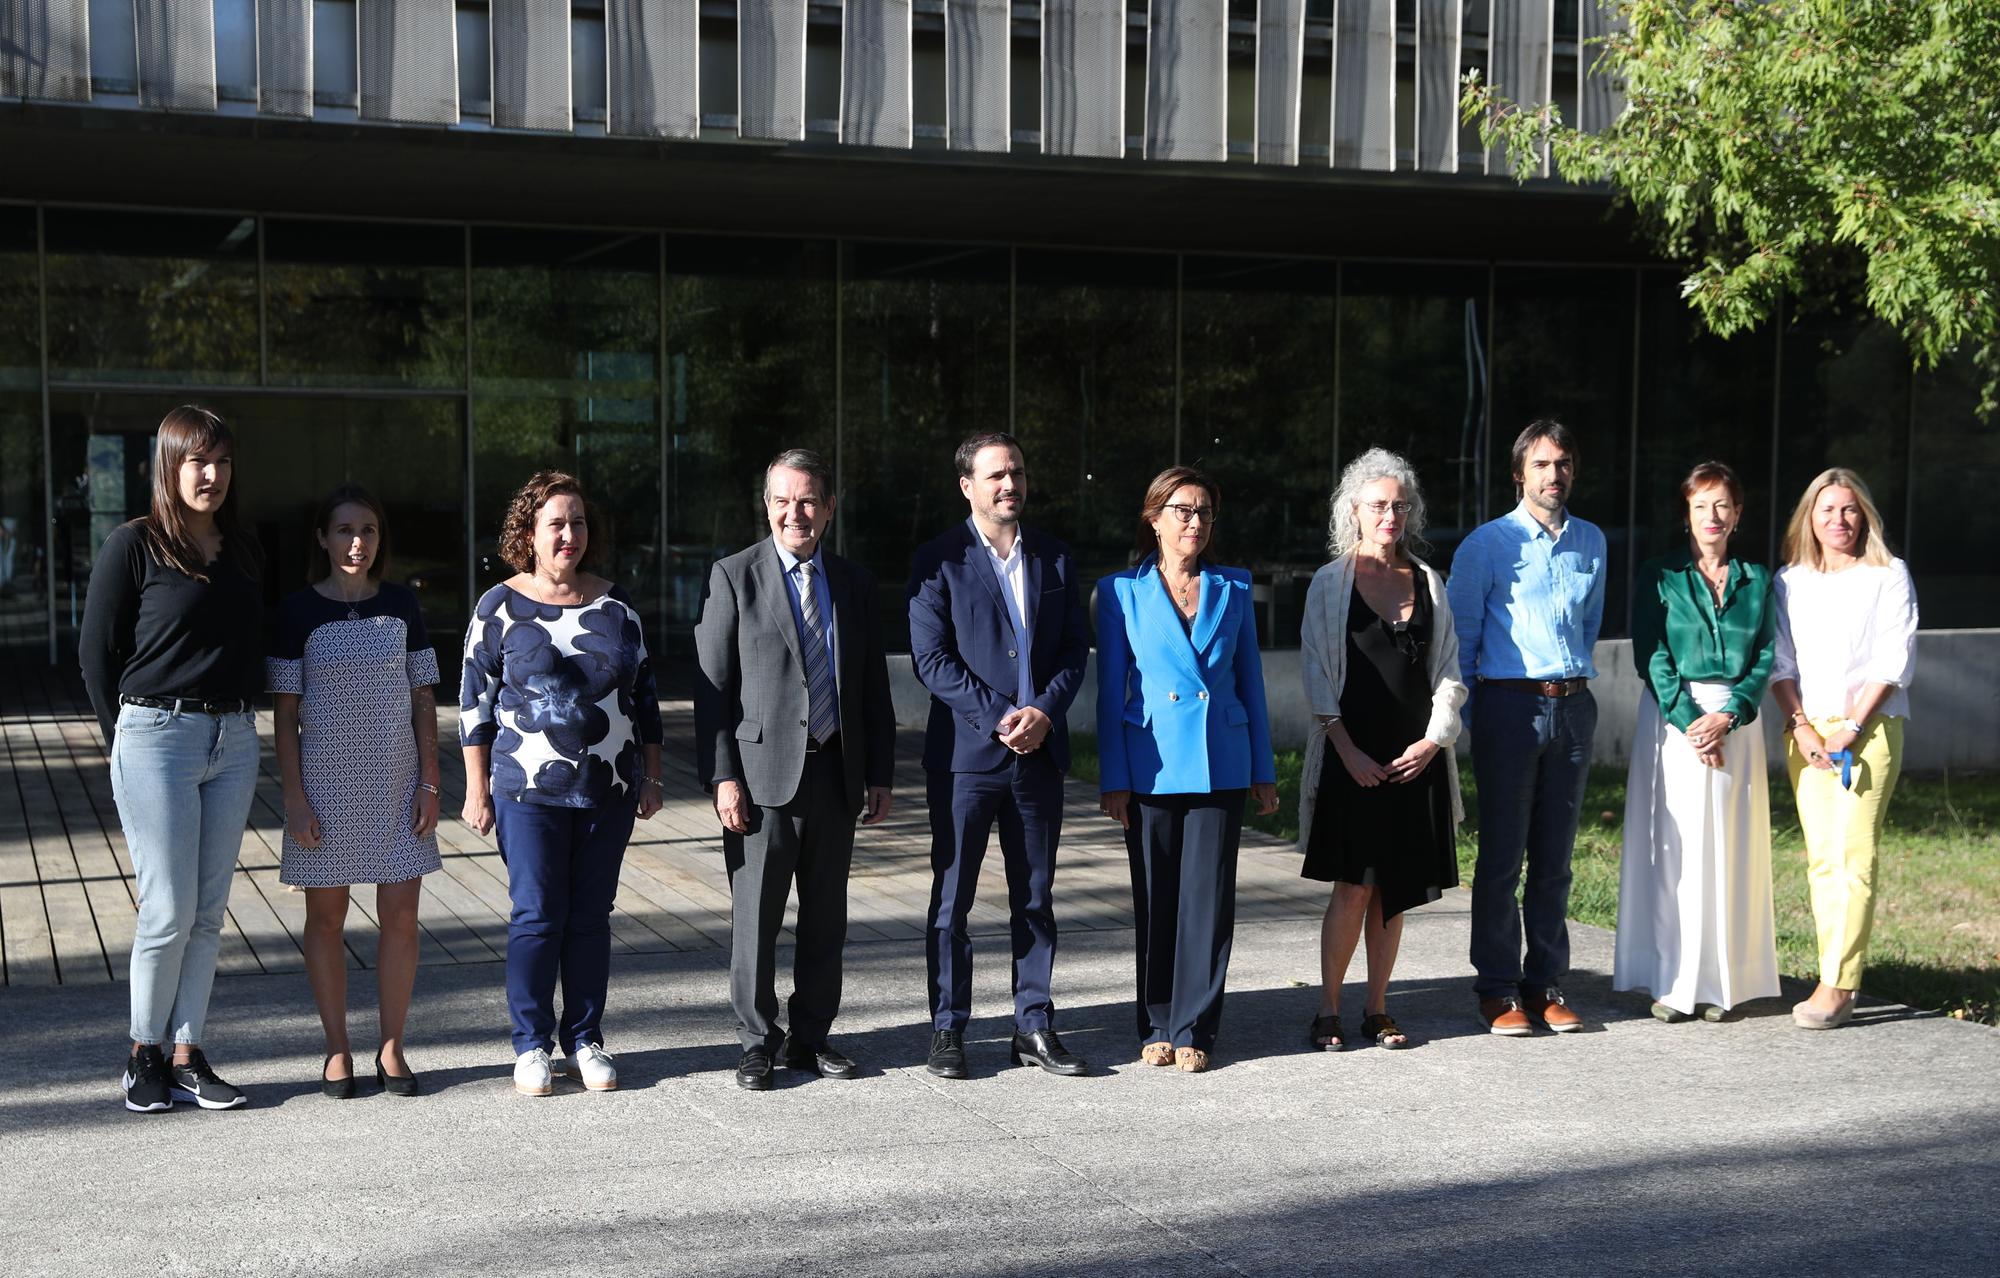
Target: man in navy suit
(999,636)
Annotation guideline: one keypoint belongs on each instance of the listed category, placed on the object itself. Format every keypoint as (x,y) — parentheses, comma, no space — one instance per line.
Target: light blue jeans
(183,783)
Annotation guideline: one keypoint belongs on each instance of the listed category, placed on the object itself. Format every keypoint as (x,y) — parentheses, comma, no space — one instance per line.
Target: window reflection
(20,302)
(750,341)
(1954,521)
(1562,348)
(1845,401)
(365,304)
(1093,393)
(1700,399)
(1257,413)
(566,340)
(152,297)
(924,345)
(1414,379)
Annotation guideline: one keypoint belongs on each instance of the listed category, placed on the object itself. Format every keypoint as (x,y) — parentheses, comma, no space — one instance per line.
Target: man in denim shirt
(1527,599)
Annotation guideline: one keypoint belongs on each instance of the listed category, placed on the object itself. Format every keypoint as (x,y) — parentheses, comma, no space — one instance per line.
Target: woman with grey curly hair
(1380,664)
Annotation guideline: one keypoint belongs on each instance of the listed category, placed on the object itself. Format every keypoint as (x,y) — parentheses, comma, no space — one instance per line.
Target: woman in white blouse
(1847,625)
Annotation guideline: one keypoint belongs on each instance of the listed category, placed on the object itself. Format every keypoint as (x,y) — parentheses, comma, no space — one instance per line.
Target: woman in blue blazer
(1182,737)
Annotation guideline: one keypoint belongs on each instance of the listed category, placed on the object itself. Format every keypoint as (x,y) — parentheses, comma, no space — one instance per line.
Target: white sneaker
(591,1065)
(531,1074)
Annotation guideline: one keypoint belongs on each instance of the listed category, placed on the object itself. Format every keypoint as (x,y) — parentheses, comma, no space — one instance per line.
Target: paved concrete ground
(1633,1148)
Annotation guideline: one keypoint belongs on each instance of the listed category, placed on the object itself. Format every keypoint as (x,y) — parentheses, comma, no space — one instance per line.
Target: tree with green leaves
(1827,150)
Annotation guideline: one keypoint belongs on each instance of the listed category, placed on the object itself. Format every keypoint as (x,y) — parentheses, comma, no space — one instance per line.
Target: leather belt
(1542,687)
(187,705)
(820,747)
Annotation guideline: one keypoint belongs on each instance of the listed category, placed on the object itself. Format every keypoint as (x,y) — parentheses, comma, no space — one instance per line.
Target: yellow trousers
(1842,829)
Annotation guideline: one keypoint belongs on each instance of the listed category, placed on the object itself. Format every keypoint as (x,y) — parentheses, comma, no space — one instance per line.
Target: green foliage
(1830,150)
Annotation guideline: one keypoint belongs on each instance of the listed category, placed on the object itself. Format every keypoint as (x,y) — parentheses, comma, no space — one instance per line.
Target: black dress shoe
(753,1072)
(395,1084)
(821,1060)
(335,1088)
(1043,1048)
(947,1054)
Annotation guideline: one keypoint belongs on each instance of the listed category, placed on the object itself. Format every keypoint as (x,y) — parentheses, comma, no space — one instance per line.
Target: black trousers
(1183,853)
(809,841)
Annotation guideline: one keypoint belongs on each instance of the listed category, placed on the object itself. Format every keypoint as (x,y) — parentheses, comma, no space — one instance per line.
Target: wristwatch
(1851,726)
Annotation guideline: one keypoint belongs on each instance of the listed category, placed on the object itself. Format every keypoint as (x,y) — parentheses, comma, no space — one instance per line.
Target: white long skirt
(1694,887)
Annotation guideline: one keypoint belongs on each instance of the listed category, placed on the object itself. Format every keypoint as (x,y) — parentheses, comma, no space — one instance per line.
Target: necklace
(1184,593)
(353,613)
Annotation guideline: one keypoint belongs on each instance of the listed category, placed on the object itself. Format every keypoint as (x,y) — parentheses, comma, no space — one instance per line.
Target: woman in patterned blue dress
(351,676)
(560,725)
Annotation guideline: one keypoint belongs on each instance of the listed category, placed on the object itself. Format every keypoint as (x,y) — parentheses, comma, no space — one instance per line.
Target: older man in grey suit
(795,736)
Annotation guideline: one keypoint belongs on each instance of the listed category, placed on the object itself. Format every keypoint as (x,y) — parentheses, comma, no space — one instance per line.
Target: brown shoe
(1503,1016)
(1157,1054)
(1190,1060)
(1549,1008)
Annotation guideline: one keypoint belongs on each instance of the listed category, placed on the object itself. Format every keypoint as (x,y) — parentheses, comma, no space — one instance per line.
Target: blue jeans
(562,873)
(1531,755)
(183,784)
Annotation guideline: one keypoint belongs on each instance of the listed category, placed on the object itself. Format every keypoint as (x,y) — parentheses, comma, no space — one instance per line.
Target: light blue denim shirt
(1527,605)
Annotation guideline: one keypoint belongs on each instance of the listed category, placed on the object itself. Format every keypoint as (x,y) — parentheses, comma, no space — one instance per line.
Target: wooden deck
(67,894)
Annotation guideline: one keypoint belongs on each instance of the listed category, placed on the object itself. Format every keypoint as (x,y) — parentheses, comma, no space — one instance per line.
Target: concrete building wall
(1954,702)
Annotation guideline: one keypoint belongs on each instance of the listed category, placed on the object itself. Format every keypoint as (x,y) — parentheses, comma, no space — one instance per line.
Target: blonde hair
(1802,547)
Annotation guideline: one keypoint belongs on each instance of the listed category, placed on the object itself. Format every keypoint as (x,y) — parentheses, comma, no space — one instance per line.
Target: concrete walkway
(1632,1148)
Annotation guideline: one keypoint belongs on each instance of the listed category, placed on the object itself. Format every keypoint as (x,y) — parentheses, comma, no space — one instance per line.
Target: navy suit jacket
(963,644)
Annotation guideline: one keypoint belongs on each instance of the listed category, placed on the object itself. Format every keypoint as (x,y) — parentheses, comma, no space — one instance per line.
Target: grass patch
(1936,943)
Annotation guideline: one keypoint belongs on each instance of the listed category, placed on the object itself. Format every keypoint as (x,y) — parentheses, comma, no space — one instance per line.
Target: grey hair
(804,460)
(1343,530)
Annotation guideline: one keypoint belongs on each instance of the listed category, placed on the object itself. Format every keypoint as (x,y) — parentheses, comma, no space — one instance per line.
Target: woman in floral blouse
(560,725)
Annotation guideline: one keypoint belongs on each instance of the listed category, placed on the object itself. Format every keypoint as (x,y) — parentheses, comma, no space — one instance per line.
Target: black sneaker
(196,1082)
(145,1082)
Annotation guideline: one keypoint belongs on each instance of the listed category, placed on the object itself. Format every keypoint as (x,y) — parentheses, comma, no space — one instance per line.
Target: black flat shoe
(753,1072)
(1043,1048)
(947,1054)
(335,1088)
(395,1084)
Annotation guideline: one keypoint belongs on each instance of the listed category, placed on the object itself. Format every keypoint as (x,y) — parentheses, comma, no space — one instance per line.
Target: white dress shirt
(1841,631)
(1012,571)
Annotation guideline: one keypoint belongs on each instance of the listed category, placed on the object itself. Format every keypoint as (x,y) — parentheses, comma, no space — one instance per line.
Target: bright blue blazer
(1179,713)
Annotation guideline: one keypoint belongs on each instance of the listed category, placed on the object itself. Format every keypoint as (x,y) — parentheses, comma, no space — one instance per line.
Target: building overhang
(93,155)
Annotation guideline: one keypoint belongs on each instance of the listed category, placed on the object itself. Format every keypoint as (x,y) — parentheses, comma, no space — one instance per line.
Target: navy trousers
(1024,798)
(1531,754)
(1183,853)
(562,874)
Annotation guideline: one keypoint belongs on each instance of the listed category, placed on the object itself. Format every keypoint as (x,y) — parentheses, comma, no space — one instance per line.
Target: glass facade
(441,363)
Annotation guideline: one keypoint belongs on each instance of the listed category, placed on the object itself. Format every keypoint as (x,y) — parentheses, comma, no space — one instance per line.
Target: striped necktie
(824,720)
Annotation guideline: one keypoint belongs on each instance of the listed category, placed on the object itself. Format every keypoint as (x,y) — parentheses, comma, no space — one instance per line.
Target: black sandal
(1382,1027)
(1327,1026)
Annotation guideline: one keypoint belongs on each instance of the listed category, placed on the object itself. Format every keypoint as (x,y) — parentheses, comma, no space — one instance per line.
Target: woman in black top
(171,657)
(1379,659)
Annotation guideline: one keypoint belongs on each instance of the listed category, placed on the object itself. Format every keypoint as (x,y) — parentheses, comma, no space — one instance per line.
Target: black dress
(1396,835)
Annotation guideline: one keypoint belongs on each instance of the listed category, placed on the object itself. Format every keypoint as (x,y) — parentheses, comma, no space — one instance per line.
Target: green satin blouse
(1680,634)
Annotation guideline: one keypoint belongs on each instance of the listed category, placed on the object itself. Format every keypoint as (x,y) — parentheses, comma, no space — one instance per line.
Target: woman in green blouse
(1694,891)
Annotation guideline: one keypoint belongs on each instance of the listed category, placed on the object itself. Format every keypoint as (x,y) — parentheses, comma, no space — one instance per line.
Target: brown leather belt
(1542,687)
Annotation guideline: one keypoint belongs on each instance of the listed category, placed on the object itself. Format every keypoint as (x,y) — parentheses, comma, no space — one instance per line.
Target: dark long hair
(184,432)
(356,495)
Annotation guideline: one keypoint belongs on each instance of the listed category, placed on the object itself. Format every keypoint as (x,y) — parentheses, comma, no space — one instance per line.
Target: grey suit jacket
(750,706)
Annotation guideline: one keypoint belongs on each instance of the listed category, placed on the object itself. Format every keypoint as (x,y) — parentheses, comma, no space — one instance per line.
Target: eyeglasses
(1186,514)
(1380,508)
